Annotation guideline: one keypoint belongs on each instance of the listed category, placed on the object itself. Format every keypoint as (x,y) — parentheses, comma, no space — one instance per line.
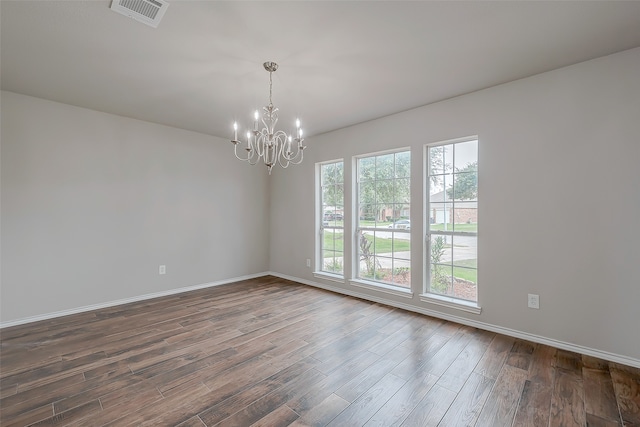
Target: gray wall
(93,203)
(559,186)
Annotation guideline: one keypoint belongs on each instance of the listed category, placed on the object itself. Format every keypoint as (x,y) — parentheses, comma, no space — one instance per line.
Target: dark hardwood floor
(269,352)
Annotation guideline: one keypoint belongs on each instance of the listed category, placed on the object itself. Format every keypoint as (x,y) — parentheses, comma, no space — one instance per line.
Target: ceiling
(341,63)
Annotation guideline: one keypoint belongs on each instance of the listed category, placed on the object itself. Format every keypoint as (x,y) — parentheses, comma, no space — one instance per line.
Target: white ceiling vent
(148,12)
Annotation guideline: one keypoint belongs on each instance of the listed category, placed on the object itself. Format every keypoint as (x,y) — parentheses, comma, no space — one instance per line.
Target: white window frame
(432,297)
(321,226)
(358,281)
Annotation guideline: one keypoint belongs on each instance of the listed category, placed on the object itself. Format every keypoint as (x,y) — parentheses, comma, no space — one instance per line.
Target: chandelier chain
(270,88)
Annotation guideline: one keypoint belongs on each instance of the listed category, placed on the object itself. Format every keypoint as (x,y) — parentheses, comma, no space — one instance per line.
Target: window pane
(385,166)
(339,194)
(440,249)
(405,212)
(453,208)
(331,210)
(394,212)
(403,165)
(465,251)
(466,217)
(446,193)
(440,160)
(366,255)
(339,172)
(367,215)
(447,158)
(441,279)
(402,190)
(334,264)
(382,213)
(378,244)
(402,246)
(440,216)
(384,191)
(328,174)
(465,283)
(367,193)
(436,160)
(466,152)
(329,195)
(465,184)
(441,188)
(366,169)
(401,273)
(328,240)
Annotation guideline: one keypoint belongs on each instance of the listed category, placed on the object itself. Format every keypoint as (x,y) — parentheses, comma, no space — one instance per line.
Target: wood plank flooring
(270,352)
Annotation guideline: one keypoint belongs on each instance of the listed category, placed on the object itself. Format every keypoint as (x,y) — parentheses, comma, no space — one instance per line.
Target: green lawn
(470,273)
(328,243)
(466,274)
(381,245)
(457,227)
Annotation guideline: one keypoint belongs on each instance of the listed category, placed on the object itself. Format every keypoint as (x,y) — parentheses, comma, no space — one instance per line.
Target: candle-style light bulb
(235,131)
(256,116)
(297,123)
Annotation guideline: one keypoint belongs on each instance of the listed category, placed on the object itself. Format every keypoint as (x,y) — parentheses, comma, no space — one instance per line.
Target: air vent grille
(146,11)
(147,8)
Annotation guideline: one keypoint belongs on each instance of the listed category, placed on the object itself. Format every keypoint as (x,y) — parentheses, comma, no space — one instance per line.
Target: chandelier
(271,145)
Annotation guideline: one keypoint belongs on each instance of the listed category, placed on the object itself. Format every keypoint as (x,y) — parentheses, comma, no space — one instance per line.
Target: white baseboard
(126,301)
(624,360)
(480,325)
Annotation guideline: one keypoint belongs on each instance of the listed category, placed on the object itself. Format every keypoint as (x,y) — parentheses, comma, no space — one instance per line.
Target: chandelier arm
(299,161)
(259,142)
(255,158)
(291,155)
(251,160)
(299,150)
(235,151)
(281,140)
(294,159)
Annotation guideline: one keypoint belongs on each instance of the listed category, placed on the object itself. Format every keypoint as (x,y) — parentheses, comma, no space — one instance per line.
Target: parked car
(333,217)
(401,224)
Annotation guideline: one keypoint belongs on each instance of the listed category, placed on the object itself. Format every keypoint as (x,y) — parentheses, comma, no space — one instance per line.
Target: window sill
(328,276)
(393,290)
(449,302)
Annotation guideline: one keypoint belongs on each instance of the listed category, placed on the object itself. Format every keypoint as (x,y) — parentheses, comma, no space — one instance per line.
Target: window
(452,212)
(384,230)
(332,217)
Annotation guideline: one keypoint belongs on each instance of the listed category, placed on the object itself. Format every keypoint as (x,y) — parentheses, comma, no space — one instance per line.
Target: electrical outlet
(308,262)
(162,269)
(533,301)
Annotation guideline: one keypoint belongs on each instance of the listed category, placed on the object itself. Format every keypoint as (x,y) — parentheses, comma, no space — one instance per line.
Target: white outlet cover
(162,269)
(533,301)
